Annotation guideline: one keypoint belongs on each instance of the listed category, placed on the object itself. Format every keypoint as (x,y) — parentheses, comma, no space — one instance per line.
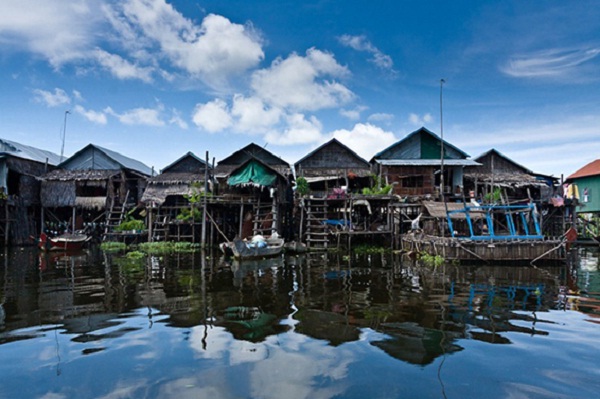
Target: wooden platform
(513,251)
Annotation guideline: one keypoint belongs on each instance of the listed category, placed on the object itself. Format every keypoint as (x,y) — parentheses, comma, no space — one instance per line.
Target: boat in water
(63,242)
(256,248)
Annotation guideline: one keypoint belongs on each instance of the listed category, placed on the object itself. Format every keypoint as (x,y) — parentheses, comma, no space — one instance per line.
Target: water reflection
(188,324)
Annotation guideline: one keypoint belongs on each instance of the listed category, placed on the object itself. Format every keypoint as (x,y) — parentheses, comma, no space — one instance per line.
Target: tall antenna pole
(442,81)
(62,147)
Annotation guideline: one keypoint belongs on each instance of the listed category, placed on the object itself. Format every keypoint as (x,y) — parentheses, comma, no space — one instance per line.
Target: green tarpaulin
(252,172)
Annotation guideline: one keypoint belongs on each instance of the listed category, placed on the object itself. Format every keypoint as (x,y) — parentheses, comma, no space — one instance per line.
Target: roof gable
(23,151)
(591,169)
(188,163)
(499,162)
(94,157)
(420,144)
(332,155)
(253,151)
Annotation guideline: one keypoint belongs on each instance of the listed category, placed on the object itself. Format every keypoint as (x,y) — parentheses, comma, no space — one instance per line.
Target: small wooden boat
(243,249)
(63,242)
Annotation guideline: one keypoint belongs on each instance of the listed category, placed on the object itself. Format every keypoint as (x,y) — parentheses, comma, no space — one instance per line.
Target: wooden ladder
(316,234)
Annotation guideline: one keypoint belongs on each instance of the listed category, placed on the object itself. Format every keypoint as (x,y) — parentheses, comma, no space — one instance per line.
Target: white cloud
(139,116)
(299,83)
(52,99)
(57,30)
(137,36)
(252,115)
(213,51)
(360,43)
(177,120)
(548,63)
(299,130)
(380,117)
(353,114)
(122,68)
(365,139)
(213,116)
(420,120)
(92,116)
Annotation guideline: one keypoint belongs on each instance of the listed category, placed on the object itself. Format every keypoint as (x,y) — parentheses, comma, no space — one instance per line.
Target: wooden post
(241,220)
(150,223)
(203,238)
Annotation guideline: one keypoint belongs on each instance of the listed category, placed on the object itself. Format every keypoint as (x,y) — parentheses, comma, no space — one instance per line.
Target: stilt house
(413,165)
(333,165)
(498,172)
(254,193)
(20,169)
(167,199)
(587,181)
(95,185)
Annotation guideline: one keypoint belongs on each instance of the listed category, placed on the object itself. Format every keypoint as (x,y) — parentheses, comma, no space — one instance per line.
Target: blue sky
(153,79)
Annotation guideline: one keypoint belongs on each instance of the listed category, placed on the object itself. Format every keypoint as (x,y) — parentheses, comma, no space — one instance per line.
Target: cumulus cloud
(299,130)
(140,37)
(122,68)
(300,83)
(380,117)
(548,63)
(52,99)
(353,114)
(365,139)
(90,115)
(361,43)
(212,51)
(420,120)
(213,116)
(253,115)
(57,31)
(139,116)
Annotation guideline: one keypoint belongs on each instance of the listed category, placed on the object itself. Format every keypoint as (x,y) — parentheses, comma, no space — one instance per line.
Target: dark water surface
(95,325)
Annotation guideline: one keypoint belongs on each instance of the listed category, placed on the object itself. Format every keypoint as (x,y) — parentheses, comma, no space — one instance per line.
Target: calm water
(95,325)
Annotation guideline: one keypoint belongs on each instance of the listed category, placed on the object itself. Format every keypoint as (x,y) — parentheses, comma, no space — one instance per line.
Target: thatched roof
(508,180)
(80,175)
(90,202)
(176,178)
(158,193)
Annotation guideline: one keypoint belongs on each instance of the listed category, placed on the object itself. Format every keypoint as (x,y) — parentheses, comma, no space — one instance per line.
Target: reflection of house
(333,165)
(166,195)
(414,164)
(20,167)
(587,180)
(416,344)
(499,171)
(96,184)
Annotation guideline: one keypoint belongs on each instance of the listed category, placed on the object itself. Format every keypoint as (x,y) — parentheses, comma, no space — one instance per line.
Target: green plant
(131,224)
(113,246)
(302,186)
(378,187)
(431,260)
(494,197)
(135,255)
(189,214)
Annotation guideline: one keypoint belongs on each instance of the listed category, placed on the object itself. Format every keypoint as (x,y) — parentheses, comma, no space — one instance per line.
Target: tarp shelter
(253,172)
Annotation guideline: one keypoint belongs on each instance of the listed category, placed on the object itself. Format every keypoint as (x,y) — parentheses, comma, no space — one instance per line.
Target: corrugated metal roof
(426,162)
(122,160)
(591,169)
(23,151)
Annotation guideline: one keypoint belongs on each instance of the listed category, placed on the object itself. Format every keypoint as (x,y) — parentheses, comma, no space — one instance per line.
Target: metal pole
(442,81)
(62,147)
